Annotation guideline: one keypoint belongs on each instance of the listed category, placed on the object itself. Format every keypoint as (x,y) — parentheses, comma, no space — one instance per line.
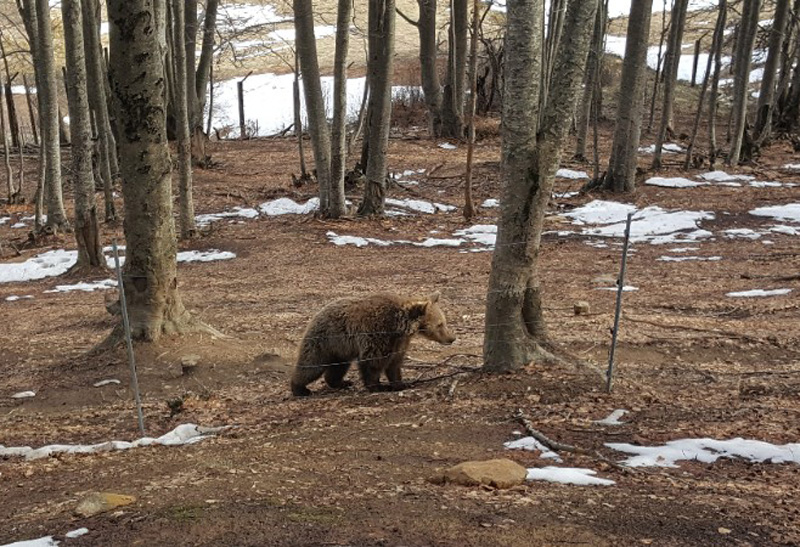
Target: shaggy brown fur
(375,331)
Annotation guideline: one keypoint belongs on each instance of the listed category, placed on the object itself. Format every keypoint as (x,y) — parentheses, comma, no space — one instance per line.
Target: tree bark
(515,326)
(47,93)
(621,176)
(453,100)
(98,102)
(306,44)
(184,142)
(714,93)
(31,115)
(336,205)
(590,89)
(379,67)
(206,56)
(429,74)
(12,192)
(472,77)
(137,89)
(87,231)
(673,58)
(766,96)
(741,77)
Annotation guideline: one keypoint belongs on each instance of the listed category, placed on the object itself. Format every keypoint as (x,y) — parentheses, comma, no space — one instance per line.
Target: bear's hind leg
(334,375)
(304,375)
(371,374)
(394,375)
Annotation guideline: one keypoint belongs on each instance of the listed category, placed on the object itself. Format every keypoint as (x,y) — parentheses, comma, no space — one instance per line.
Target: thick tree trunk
(741,77)
(137,87)
(766,96)
(379,67)
(47,93)
(306,44)
(621,176)
(515,327)
(184,142)
(453,100)
(98,102)
(336,205)
(590,88)
(429,74)
(87,231)
(673,58)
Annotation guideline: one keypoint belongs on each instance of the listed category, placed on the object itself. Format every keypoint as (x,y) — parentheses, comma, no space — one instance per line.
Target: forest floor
(353,468)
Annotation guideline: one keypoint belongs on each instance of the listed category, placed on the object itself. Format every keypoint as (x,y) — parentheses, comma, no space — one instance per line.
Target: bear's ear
(434,297)
(417,310)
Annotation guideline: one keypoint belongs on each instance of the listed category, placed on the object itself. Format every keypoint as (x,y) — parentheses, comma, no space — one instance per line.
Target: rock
(581,307)
(100,502)
(24,395)
(501,473)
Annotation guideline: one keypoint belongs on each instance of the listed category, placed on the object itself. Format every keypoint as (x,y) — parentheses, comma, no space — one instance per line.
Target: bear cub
(374,331)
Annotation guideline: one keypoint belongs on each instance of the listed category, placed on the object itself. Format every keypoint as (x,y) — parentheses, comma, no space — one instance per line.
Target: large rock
(100,502)
(501,473)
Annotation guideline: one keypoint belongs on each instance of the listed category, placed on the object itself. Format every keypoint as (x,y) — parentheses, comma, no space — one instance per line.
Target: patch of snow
(46,541)
(790,212)
(765,184)
(600,212)
(76,533)
(181,435)
(3,220)
(756,293)
(565,195)
(675,182)
(24,395)
(688,258)
(532,445)
(626,288)
(236,212)
(110,381)
(356,240)
(490,203)
(14,297)
(287,206)
(438,242)
(204,256)
(666,148)
(86,287)
(481,234)
(568,475)
(420,206)
(789,166)
(287,34)
(743,233)
(684,249)
(613,418)
(570,174)
(447,146)
(47,264)
(783,229)
(18,225)
(721,176)
(707,451)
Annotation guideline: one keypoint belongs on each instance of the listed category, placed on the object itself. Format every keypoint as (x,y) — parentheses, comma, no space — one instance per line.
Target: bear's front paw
(344,384)
(398,386)
(377,388)
(300,391)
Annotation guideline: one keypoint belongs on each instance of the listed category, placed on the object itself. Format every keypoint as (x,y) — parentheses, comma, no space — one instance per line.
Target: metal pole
(620,286)
(126,324)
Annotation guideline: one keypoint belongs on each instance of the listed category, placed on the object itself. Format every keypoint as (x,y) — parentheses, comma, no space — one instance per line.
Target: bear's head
(432,322)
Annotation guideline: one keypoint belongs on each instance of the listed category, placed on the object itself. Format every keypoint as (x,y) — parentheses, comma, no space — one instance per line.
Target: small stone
(100,502)
(581,307)
(501,473)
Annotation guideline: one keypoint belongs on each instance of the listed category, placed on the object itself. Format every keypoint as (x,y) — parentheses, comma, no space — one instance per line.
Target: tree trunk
(789,120)
(206,56)
(472,76)
(29,101)
(741,77)
(379,67)
(594,66)
(336,205)
(184,142)
(429,74)
(87,231)
(515,327)
(137,88)
(714,94)
(659,66)
(47,93)
(12,192)
(673,58)
(13,121)
(98,102)
(298,118)
(621,176)
(554,27)
(453,100)
(766,96)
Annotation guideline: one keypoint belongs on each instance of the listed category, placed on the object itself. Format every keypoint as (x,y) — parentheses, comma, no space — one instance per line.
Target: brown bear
(375,331)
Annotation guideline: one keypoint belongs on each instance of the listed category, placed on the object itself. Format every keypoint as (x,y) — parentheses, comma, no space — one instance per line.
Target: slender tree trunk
(315,105)
(621,176)
(31,114)
(298,118)
(87,230)
(515,327)
(716,44)
(741,77)
(13,121)
(766,96)
(336,205)
(98,102)
(184,142)
(555,24)
(47,93)
(12,193)
(790,114)
(472,77)
(659,67)
(590,89)
(429,74)
(206,55)
(673,58)
(714,94)
(453,100)
(379,67)
(137,84)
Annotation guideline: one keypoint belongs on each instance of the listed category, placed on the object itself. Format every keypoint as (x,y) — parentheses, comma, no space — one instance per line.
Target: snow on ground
(707,451)
(46,541)
(532,445)
(86,287)
(665,258)
(722,176)
(651,224)
(76,533)
(756,293)
(613,418)
(674,182)
(447,146)
(420,206)
(14,297)
(490,203)
(626,288)
(481,234)
(568,475)
(666,148)
(236,212)
(24,395)
(790,212)
(741,233)
(204,256)
(570,174)
(238,16)
(181,435)
(792,166)
(287,206)
(783,229)
(110,381)
(357,240)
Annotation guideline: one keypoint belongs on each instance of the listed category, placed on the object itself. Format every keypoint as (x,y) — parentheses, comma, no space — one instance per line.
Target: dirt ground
(352,468)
